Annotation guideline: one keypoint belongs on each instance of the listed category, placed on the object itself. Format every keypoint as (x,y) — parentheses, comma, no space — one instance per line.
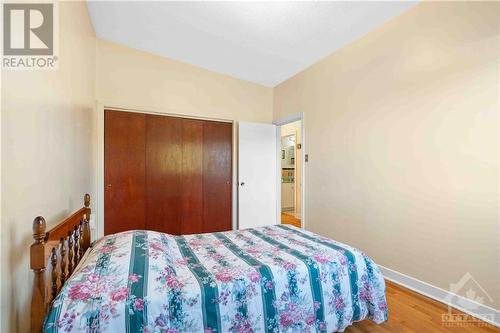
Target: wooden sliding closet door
(167,174)
(192,200)
(163,173)
(124,171)
(217,166)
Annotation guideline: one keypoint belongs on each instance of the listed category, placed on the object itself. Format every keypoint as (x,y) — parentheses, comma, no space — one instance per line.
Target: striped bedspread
(270,279)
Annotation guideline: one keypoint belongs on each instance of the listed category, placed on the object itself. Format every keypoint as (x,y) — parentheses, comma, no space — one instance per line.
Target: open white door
(257,159)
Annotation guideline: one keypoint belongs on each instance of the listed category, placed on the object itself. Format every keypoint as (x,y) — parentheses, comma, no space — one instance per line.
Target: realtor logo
(29,36)
(469,296)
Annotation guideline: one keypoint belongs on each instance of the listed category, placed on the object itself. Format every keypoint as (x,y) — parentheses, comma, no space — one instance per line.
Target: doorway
(291,172)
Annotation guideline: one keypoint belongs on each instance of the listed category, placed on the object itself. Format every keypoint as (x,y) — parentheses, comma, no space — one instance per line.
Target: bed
(270,279)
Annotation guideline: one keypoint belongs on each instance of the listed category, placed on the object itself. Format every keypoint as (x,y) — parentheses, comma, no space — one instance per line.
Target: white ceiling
(262,42)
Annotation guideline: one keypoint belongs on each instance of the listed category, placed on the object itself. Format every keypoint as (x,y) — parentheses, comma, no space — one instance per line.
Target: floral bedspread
(271,279)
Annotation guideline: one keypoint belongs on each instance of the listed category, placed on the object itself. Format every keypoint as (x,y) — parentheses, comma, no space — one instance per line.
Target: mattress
(270,279)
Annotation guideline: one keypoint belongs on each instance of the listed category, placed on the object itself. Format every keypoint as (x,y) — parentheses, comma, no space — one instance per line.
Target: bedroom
(399,104)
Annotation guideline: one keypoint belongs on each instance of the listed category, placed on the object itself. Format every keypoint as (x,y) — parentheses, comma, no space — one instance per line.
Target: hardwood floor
(414,313)
(290,219)
(410,312)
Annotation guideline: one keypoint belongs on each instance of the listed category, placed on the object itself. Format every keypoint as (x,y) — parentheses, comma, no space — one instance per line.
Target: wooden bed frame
(53,257)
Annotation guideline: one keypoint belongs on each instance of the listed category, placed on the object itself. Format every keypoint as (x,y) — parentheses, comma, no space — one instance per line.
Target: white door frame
(98,226)
(279,123)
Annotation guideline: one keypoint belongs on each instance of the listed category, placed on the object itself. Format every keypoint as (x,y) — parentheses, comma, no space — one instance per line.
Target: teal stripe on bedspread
(135,311)
(314,274)
(208,287)
(268,295)
(353,273)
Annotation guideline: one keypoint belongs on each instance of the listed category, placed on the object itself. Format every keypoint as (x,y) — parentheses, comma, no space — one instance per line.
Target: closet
(166,174)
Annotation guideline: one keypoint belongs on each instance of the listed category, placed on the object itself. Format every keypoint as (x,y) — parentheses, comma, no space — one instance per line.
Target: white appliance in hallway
(287,197)
(257,163)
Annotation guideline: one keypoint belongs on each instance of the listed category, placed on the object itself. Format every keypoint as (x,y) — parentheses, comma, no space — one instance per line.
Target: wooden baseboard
(481,311)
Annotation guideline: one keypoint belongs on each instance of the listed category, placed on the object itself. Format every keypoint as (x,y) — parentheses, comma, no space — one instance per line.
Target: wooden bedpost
(38,265)
(57,251)
(85,227)
(86,203)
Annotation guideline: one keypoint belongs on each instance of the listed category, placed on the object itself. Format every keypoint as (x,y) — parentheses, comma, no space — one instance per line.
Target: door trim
(279,123)
(97,221)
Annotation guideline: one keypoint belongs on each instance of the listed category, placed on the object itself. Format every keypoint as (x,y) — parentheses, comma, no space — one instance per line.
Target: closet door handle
(242,183)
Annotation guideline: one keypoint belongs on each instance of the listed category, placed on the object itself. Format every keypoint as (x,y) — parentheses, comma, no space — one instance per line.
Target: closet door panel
(124,171)
(217,174)
(192,177)
(167,174)
(163,173)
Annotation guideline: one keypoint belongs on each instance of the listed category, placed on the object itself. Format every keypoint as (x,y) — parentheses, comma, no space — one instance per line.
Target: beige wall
(136,79)
(47,155)
(402,133)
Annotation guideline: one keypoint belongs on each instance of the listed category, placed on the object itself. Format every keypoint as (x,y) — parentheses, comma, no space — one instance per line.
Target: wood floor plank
(410,312)
(290,219)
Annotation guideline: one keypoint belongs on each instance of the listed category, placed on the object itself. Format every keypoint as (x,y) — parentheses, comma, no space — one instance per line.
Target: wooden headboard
(53,257)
